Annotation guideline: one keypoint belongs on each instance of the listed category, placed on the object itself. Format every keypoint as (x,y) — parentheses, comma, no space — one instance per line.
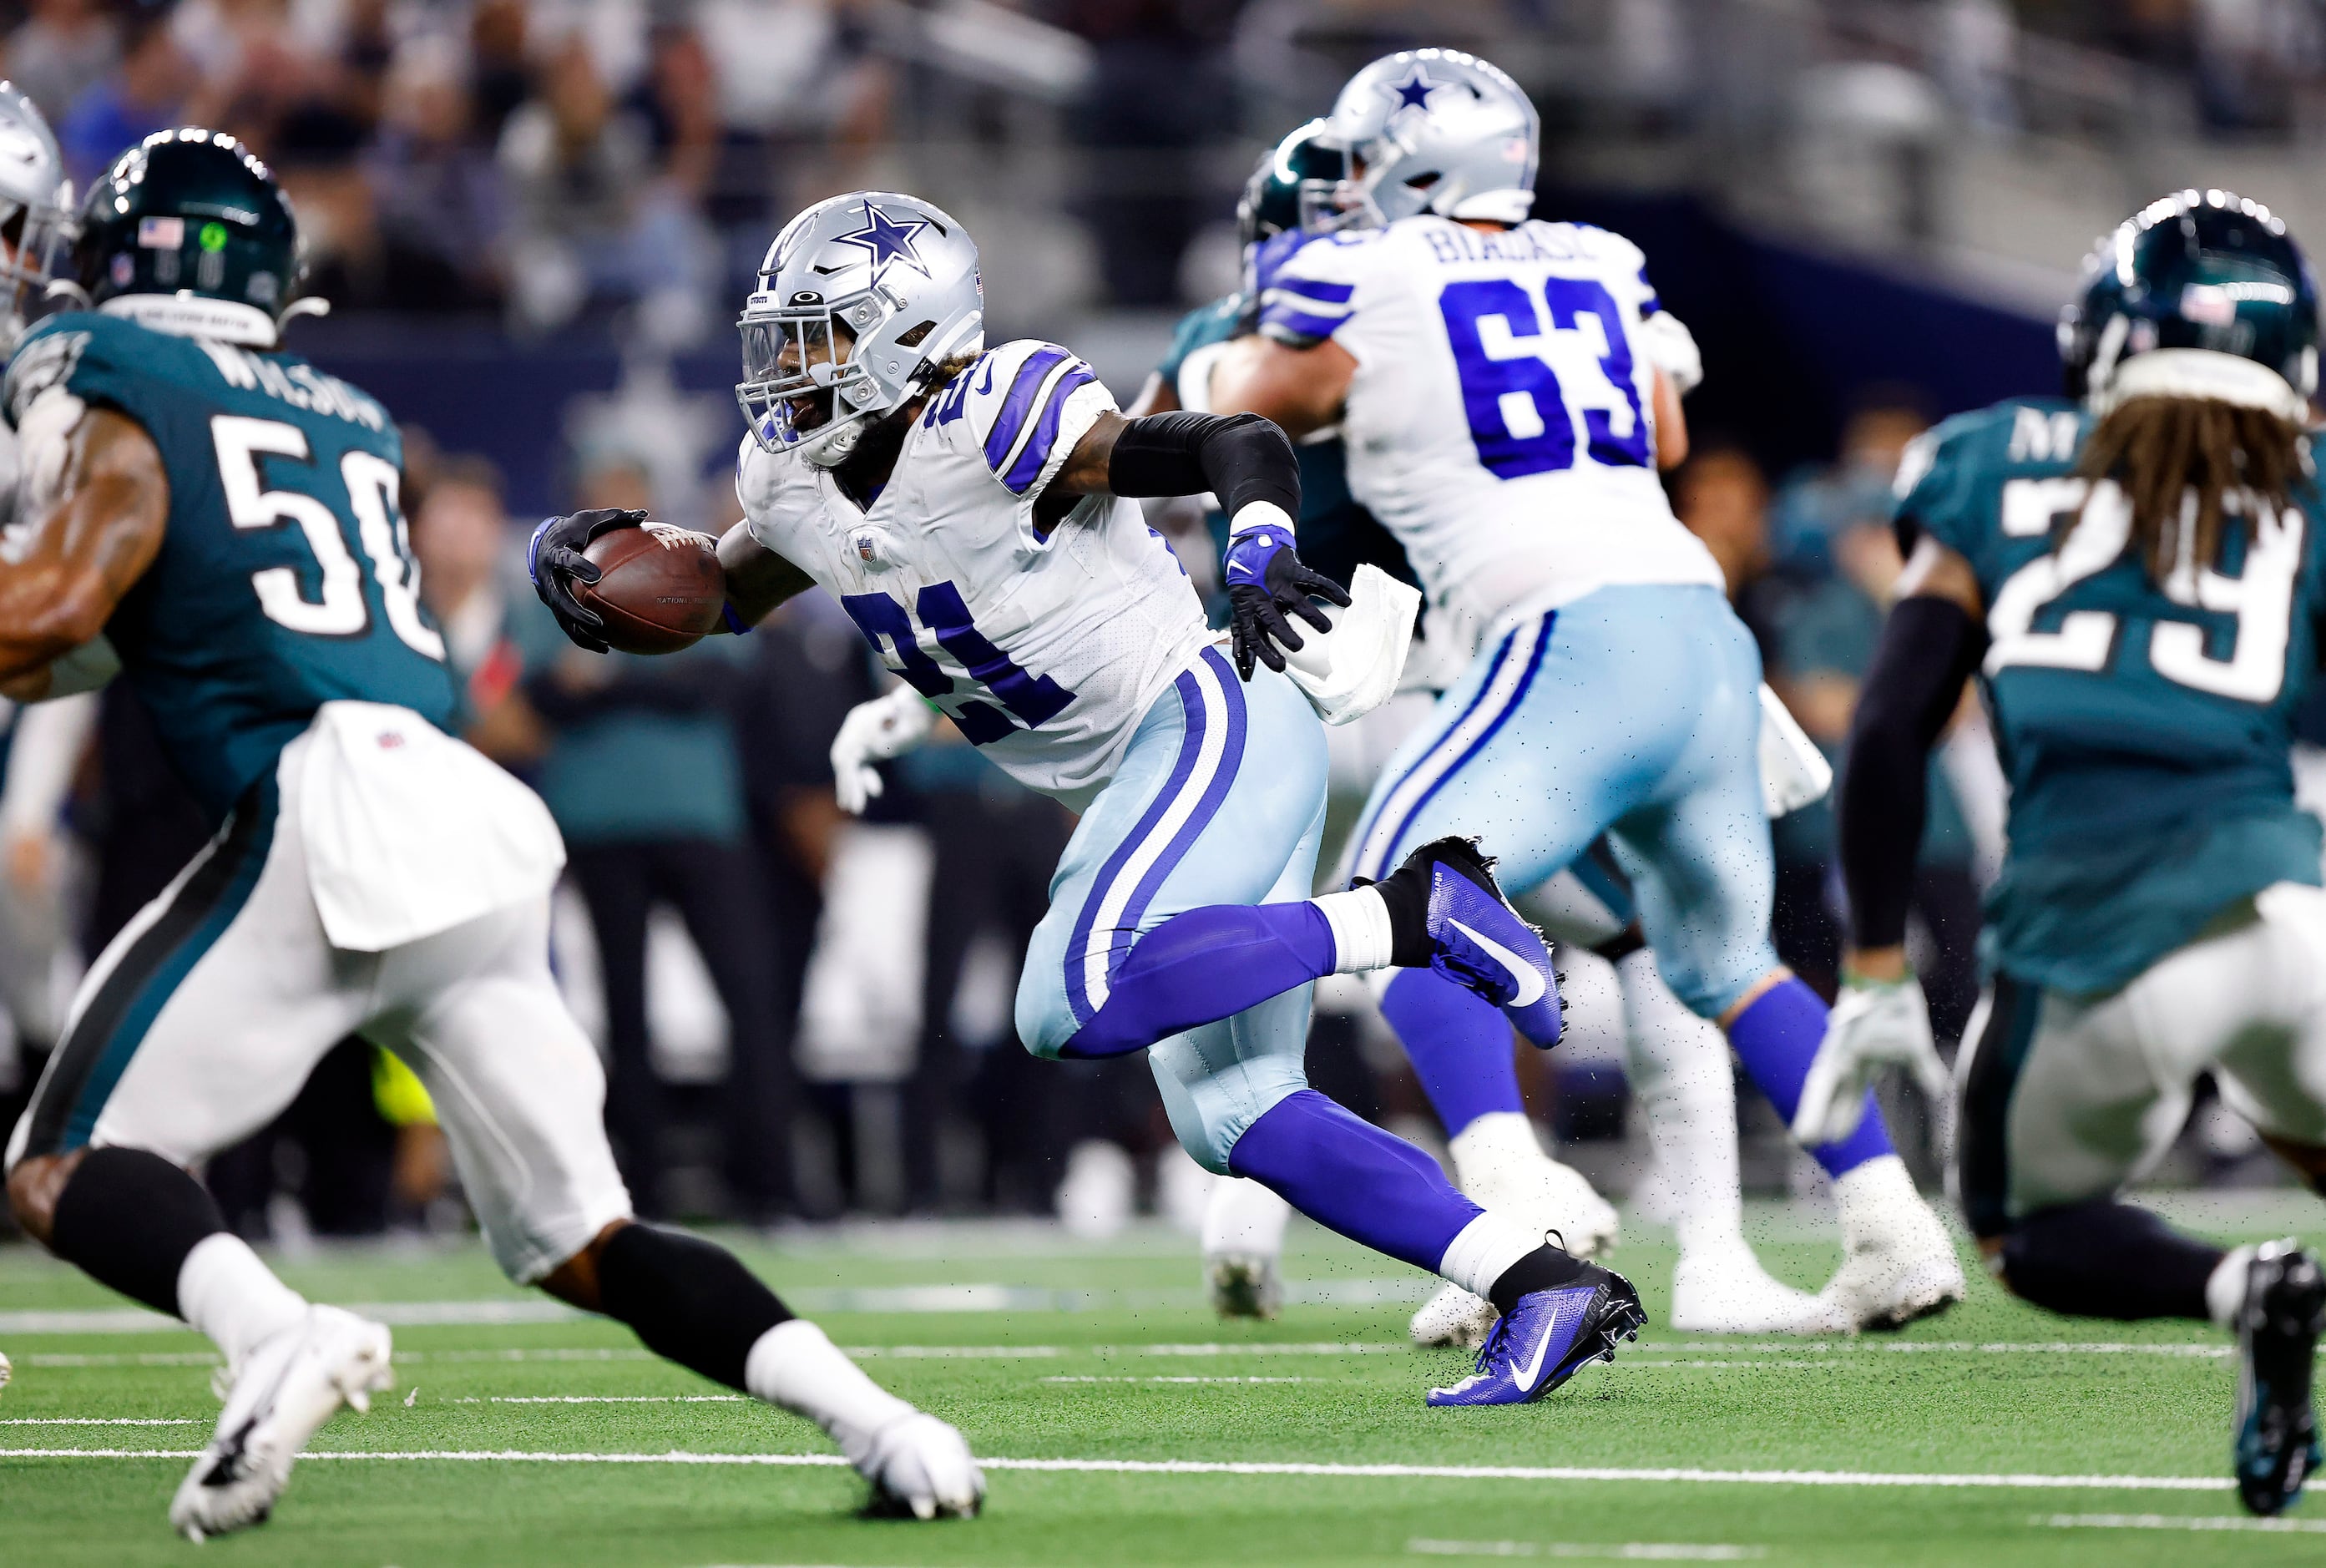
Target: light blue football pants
(1219,800)
(1634,712)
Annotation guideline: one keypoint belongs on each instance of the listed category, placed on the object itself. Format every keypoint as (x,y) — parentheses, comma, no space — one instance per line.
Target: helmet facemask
(32,239)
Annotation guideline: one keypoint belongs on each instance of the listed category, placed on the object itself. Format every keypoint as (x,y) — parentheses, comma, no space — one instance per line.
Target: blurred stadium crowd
(806,1014)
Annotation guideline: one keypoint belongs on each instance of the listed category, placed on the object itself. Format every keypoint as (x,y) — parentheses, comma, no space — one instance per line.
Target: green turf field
(519,1436)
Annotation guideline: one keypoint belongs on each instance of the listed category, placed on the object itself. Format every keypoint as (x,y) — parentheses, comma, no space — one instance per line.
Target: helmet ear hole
(912,336)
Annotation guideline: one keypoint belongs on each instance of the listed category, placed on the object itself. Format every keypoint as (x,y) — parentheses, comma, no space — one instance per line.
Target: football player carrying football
(961,504)
(1493,378)
(224,516)
(2135,579)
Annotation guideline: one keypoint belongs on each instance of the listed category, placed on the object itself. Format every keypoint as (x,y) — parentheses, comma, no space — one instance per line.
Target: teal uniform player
(2135,578)
(284,579)
(2145,738)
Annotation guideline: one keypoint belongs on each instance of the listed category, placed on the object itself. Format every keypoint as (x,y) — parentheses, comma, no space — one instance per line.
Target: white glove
(1671,347)
(1873,1026)
(874,732)
(921,1467)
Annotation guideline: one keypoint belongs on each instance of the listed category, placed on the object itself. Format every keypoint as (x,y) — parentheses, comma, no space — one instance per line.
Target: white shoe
(1453,1318)
(920,1467)
(6,1371)
(1500,1166)
(1724,1290)
(1244,1285)
(1898,1262)
(290,1384)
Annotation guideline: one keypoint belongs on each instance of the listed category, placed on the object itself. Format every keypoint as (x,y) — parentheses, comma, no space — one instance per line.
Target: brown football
(661,587)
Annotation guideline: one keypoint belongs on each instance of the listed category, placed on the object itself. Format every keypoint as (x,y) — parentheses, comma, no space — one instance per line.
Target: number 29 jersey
(1501,420)
(284,578)
(2145,728)
(1045,651)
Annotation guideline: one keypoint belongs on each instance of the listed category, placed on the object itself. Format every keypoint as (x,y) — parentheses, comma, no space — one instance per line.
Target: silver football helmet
(860,298)
(36,210)
(1435,130)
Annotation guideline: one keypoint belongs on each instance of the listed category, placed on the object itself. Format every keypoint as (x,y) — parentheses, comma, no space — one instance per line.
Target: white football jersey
(1500,421)
(1045,652)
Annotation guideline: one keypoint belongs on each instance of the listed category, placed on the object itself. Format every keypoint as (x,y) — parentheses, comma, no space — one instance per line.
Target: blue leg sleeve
(1351,1177)
(1459,1044)
(1776,1039)
(1205,965)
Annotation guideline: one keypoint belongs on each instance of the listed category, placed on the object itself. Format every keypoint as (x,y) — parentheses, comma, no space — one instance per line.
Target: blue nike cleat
(1547,1337)
(2278,1328)
(1446,898)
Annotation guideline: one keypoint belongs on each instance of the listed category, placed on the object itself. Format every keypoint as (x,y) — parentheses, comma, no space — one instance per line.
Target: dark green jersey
(1337,533)
(2145,727)
(284,579)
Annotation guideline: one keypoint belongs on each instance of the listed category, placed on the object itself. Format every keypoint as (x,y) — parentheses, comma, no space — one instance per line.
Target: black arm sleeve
(1239,458)
(1928,648)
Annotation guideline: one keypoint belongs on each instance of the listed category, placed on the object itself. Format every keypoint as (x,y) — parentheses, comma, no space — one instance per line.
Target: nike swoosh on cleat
(1534,1372)
(1530,986)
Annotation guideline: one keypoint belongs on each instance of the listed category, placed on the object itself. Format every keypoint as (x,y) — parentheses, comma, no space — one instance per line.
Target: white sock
(2225,1287)
(1360,929)
(1490,1149)
(1876,1200)
(1678,1066)
(1483,1251)
(1244,1219)
(227,1293)
(795,1365)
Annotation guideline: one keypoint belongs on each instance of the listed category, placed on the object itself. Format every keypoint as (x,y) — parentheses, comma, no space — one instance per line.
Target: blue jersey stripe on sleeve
(1011,420)
(1315,288)
(1037,453)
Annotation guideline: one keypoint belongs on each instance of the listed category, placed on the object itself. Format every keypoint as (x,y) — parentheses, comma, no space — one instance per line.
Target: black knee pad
(127,1220)
(2105,1259)
(686,1299)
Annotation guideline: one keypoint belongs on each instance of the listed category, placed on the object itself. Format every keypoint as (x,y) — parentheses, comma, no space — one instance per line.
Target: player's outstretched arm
(93,524)
(758,579)
(1932,643)
(1248,463)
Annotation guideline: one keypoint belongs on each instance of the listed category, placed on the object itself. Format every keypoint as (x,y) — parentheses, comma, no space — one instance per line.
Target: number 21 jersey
(1501,420)
(1045,652)
(284,579)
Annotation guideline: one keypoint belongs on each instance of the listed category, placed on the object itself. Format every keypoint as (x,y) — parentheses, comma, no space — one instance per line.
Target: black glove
(1266,579)
(554,561)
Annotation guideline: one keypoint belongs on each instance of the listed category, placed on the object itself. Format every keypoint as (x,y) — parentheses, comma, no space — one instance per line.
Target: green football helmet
(2197,294)
(1296,186)
(193,218)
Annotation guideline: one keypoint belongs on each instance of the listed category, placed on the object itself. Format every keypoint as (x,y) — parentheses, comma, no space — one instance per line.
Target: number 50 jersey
(1045,652)
(2145,727)
(1500,421)
(284,579)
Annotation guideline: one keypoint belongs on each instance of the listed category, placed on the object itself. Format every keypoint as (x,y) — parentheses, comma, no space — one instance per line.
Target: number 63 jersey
(1501,420)
(284,579)
(2145,727)
(1045,652)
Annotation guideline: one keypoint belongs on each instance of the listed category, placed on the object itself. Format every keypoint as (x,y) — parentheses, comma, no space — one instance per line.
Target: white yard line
(2178,1521)
(1780,1478)
(605,1399)
(94,1421)
(1178,1380)
(1625,1551)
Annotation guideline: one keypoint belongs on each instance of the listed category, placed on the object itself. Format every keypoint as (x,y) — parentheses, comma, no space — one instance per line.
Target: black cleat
(2278,1328)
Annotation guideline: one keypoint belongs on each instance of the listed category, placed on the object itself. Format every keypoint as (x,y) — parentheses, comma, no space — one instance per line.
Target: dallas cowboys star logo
(1413,92)
(887,241)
